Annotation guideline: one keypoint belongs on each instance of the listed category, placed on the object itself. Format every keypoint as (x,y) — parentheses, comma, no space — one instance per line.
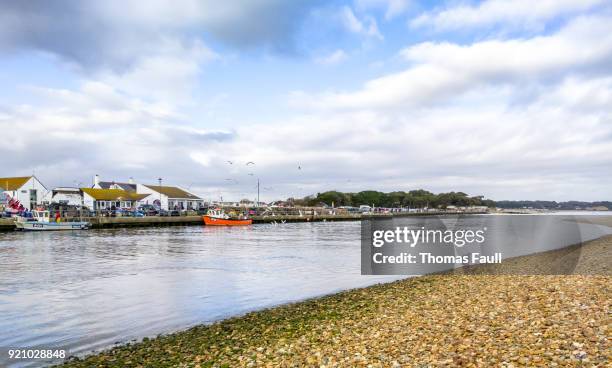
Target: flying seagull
(250,163)
(230,162)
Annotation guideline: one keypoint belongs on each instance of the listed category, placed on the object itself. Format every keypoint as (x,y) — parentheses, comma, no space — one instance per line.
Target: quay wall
(112,222)
(7,224)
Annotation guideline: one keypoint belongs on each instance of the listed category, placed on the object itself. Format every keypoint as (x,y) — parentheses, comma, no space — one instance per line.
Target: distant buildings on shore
(161,196)
(26,193)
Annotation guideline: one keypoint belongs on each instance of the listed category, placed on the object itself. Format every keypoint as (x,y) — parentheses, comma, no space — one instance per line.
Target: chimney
(131,180)
(96,180)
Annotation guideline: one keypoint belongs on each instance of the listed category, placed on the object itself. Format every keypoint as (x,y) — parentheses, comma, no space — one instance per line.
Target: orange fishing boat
(217,217)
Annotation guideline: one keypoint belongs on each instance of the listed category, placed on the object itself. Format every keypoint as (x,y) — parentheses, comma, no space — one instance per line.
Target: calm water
(87,290)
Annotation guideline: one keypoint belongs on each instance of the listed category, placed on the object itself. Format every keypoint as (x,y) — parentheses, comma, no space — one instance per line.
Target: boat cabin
(217,213)
(41,216)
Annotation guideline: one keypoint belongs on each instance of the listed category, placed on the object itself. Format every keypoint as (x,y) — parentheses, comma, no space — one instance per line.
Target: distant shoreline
(152,221)
(6,224)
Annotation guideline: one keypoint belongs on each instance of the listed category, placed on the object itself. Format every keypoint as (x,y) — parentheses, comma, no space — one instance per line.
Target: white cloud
(334,58)
(485,118)
(555,146)
(521,118)
(443,70)
(550,148)
(97,128)
(200,158)
(591,96)
(522,13)
(368,27)
(170,75)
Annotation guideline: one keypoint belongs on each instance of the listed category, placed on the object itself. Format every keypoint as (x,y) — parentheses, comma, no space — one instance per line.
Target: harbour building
(162,196)
(25,191)
(108,199)
(170,198)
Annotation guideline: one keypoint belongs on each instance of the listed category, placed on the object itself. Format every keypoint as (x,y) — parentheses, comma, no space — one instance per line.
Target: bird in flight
(250,174)
(230,162)
(250,163)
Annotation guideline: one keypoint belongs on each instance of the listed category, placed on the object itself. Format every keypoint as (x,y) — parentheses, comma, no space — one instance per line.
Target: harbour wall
(7,224)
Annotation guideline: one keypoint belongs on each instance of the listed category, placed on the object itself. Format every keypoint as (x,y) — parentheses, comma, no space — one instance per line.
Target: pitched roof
(125,186)
(66,190)
(172,192)
(13,183)
(113,194)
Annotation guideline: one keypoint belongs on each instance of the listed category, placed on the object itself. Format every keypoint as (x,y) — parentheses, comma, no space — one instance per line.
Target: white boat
(40,221)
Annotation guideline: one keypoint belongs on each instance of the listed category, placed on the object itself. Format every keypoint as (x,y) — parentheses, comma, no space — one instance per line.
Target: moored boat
(217,217)
(40,221)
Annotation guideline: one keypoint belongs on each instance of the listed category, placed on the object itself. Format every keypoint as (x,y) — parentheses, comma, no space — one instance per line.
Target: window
(33,198)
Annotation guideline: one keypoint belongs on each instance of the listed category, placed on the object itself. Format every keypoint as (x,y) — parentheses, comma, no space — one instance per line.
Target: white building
(169,198)
(130,186)
(165,197)
(28,190)
(109,199)
(65,195)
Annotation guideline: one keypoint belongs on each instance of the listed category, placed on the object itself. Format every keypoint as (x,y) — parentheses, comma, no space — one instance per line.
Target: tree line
(422,198)
(414,199)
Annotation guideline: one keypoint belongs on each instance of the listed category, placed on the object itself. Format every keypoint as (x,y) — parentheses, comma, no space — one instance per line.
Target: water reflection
(88,290)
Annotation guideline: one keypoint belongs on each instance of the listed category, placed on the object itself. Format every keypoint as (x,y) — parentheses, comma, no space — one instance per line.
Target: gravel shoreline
(442,320)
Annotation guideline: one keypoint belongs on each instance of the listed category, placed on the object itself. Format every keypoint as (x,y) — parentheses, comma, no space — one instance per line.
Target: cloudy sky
(508,99)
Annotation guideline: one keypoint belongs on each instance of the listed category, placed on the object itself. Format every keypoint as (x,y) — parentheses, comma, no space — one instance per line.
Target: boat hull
(213,221)
(51,226)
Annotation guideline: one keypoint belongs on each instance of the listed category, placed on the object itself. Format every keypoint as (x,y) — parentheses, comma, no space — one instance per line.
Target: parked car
(120,212)
(149,210)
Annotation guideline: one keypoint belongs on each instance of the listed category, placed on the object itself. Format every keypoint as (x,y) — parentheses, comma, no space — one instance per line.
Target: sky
(506,99)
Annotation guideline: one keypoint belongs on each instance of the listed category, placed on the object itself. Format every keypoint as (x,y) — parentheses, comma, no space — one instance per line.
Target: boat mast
(257,193)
